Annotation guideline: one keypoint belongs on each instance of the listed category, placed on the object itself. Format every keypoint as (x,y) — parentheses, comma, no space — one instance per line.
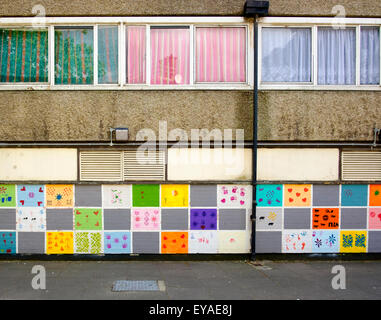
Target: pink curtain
(170,56)
(136,55)
(221,54)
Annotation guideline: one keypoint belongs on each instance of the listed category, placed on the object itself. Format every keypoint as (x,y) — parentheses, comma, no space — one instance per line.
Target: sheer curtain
(370,55)
(221,54)
(170,56)
(136,54)
(107,54)
(286,55)
(336,56)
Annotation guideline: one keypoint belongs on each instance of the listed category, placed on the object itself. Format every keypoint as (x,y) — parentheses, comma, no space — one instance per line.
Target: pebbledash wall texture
(68,187)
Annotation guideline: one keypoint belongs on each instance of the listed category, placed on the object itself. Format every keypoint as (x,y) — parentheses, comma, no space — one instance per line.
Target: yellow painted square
(59,243)
(174,195)
(59,195)
(353,241)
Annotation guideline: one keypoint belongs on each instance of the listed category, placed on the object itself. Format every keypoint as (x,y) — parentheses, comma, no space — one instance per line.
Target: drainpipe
(255,9)
(255,143)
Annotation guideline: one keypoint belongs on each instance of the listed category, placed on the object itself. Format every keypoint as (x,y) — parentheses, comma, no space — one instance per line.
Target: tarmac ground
(193,280)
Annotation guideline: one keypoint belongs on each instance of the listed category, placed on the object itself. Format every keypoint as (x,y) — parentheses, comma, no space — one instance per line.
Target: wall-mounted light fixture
(121,135)
(377,137)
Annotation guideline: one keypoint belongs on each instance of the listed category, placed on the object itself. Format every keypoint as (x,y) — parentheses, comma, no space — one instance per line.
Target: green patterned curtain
(23,55)
(74,62)
(108,54)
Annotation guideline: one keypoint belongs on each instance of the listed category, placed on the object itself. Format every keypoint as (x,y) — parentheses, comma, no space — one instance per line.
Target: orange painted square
(174,242)
(375,195)
(59,195)
(325,218)
(297,195)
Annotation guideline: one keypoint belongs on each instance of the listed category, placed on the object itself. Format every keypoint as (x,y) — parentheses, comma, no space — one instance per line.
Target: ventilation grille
(361,166)
(101,165)
(147,165)
(122,165)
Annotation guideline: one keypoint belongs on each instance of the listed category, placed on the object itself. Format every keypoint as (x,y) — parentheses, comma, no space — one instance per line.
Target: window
(221,54)
(286,55)
(170,55)
(74,49)
(23,55)
(336,56)
(108,54)
(370,55)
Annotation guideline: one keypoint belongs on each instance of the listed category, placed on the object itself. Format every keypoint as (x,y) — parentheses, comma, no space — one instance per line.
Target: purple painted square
(203,219)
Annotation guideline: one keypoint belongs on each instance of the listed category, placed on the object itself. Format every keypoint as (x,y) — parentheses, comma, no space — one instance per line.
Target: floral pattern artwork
(325,241)
(117,242)
(59,195)
(146,219)
(88,242)
(374,218)
(117,196)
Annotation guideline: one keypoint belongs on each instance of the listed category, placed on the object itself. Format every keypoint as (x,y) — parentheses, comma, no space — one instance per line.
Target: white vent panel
(361,165)
(147,165)
(101,165)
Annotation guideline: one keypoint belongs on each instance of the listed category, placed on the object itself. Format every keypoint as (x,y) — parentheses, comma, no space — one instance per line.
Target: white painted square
(234,196)
(203,241)
(30,219)
(116,196)
(297,241)
(233,242)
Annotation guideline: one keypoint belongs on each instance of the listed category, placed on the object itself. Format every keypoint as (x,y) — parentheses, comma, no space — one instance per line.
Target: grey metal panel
(374,241)
(117,219)
(59,219)
(232,219)
(268,242)
(326,195)
(174,219)
(297,218)
(7,219)
(353,218)
(146,242)
(31,242)
(88,196)
(203,196)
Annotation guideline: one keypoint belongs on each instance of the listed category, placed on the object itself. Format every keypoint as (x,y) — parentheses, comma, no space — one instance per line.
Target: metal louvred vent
(147,165)
(361,165)
(101,165)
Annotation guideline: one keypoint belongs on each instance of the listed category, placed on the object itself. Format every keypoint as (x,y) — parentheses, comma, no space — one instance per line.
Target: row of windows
(183,55)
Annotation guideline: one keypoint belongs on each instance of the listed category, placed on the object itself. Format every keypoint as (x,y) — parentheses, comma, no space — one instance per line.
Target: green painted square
(146,195)
(7,195)
(88,219)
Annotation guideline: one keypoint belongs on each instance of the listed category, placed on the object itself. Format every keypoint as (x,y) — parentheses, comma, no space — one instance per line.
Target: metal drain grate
(138,285)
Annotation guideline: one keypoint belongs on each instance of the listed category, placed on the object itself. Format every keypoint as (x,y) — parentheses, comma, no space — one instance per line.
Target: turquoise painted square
(145,195)
(117,242)
(270,195)
(325,241)
(7,242)
(354,195)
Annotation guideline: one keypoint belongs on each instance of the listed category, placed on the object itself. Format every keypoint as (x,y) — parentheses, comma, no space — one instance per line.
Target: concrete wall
(371,8)
(88,115)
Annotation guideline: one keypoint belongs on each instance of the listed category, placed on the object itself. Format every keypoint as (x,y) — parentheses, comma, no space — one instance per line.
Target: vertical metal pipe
(255,143)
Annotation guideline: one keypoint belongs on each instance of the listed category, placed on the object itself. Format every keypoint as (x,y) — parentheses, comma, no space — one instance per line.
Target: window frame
(315,24)
(123,23)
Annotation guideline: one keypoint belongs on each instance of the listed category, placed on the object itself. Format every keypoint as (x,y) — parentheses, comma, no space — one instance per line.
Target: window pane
(286,55)
(136,55)
(336,56)
(221,55)
(370,55)
(108,54)
(170,56)
(23,55)
(74,61)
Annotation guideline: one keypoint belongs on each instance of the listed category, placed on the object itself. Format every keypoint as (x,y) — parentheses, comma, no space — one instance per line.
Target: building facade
(127,127)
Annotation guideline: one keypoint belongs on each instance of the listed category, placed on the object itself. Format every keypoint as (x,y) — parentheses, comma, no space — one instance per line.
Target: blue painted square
(325,241)
(7,242)
(354,195)
(30,195)
(270,195)
(117,242)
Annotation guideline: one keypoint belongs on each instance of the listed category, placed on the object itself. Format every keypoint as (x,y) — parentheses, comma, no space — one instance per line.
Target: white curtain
(286,55)
(336,56)
(370,55)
